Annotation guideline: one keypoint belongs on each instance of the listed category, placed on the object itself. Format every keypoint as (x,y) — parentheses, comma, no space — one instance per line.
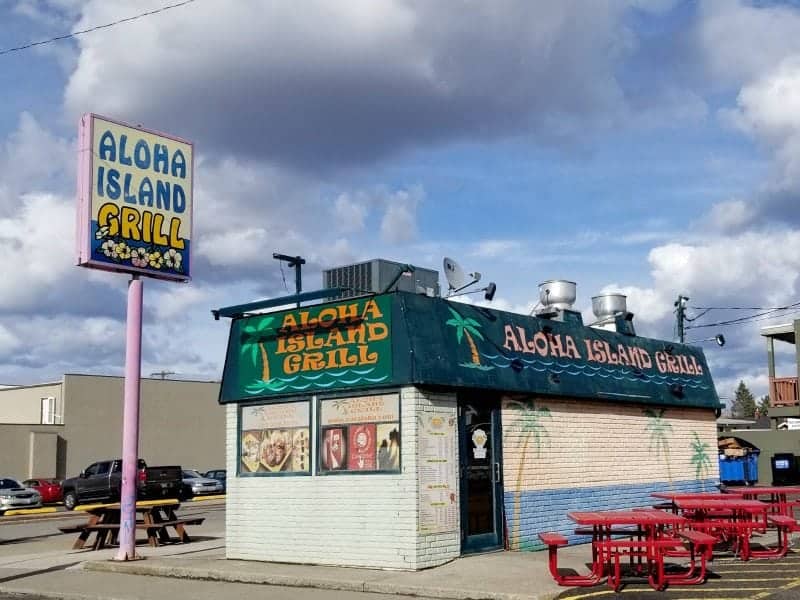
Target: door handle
(498,473)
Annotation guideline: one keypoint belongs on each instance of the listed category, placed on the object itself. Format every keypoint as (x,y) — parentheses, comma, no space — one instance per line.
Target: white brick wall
(352,520)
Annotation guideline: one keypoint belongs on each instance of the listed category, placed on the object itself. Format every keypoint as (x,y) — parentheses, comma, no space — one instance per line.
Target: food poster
(275,438)
(438,488)
(360,434)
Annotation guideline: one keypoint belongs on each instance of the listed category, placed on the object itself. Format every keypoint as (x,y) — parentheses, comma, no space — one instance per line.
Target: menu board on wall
(274,438)
(438,461)
(360,434)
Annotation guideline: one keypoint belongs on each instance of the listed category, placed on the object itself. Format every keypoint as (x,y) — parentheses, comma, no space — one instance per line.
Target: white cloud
(349,213)
(312,85)
(178,299)
(33,159)
(741,41)
(730,216)
(495,248)
(769,110)
(399,223)
(37,249)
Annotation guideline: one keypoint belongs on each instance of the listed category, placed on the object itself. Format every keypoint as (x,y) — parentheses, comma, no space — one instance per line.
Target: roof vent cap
(557,293)
(609,305)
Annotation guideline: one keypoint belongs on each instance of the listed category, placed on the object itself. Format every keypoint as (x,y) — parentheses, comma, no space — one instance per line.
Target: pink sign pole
(130,421)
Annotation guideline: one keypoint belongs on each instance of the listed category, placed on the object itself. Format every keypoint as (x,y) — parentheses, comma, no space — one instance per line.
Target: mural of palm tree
(700,459)
(528,423)
(659,427)
(253,339)
(466,327)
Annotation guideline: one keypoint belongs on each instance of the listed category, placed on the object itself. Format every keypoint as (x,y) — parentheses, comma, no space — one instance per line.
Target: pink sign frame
(86,246)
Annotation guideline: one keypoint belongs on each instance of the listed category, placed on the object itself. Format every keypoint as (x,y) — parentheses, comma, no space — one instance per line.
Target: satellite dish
(454,274)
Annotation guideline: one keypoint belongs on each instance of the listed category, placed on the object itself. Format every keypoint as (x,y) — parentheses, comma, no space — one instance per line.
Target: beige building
(57,429)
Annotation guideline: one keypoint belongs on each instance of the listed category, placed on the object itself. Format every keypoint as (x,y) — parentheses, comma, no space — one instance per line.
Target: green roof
(402,338)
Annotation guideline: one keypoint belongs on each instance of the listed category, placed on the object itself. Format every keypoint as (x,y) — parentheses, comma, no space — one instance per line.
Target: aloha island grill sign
(357,344)
(599,351)
(312,349)
(486,348)
(135,190)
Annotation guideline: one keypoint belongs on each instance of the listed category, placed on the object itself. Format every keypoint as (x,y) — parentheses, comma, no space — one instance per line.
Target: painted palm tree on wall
(469,328)
(659,428)
(700,459)
(253,338)
(526,423)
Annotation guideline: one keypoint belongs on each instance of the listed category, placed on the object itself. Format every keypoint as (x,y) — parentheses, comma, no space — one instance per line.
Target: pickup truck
(102,482)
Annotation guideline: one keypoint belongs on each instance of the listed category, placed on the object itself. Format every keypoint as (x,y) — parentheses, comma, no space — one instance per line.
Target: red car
(50,489)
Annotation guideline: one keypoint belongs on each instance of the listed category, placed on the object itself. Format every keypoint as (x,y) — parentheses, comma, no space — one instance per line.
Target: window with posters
(359,434)
(274,439)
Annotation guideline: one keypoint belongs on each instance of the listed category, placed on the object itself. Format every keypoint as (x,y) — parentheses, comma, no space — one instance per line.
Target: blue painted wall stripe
(546,510)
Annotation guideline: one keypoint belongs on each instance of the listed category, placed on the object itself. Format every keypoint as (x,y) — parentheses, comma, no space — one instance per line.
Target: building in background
(56,429)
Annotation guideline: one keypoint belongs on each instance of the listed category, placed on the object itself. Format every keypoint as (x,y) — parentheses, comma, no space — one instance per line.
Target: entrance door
(481,475)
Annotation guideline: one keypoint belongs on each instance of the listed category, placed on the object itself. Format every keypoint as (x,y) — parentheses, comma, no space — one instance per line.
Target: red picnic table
(648,534)
(695,495)
(671,496)
(778,496)
(737,519)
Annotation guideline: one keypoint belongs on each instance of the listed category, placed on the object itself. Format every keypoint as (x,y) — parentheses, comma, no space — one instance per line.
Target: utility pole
(295,262)
(680,315)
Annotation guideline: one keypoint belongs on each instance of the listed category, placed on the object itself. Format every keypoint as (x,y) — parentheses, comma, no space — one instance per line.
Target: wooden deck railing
(783,391)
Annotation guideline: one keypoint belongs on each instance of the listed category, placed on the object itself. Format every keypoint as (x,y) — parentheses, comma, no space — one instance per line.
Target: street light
(719,338)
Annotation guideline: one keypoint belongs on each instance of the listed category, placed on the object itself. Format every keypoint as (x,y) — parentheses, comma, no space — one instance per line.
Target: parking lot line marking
(783,588)
(751,579)
(202,498)
(590,595)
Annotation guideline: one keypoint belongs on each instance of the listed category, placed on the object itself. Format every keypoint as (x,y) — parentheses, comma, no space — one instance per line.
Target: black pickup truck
(102,482)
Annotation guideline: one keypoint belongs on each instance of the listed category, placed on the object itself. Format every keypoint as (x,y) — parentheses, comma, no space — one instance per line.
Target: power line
(707,308)
(77,33)
(756,317)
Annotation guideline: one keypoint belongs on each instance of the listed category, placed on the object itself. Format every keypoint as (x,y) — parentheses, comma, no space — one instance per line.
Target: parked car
(220,475)
(14,495)
(49,489)
(102,481)
(194,484)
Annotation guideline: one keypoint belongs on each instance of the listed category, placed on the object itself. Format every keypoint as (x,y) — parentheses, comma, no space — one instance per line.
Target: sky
(648,147)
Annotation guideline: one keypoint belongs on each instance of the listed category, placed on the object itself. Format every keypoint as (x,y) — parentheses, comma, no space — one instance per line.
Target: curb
(355,585)
(29,511)
(208,498)
(38,594)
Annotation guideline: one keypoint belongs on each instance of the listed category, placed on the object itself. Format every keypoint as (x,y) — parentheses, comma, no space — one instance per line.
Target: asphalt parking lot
(729,579)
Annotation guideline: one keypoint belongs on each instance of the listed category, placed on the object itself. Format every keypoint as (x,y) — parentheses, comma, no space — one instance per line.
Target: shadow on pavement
(39,572)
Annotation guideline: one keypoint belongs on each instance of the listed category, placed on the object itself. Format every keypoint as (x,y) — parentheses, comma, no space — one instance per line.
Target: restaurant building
(400,430)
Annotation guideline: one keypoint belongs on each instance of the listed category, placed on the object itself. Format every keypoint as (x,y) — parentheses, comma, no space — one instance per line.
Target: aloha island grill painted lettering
(555,345)
(338,336)
(136,194)
(315,348)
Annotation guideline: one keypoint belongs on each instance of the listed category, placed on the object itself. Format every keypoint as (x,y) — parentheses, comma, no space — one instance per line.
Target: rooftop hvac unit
(373,277)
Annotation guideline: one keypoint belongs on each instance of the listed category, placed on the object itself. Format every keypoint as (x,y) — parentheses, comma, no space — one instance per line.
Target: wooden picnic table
(648,536)
(737,519)
(153,516)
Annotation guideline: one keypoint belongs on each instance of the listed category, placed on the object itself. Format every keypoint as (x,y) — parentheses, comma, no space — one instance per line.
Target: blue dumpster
(751,467)
(731,468)
(738,470)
